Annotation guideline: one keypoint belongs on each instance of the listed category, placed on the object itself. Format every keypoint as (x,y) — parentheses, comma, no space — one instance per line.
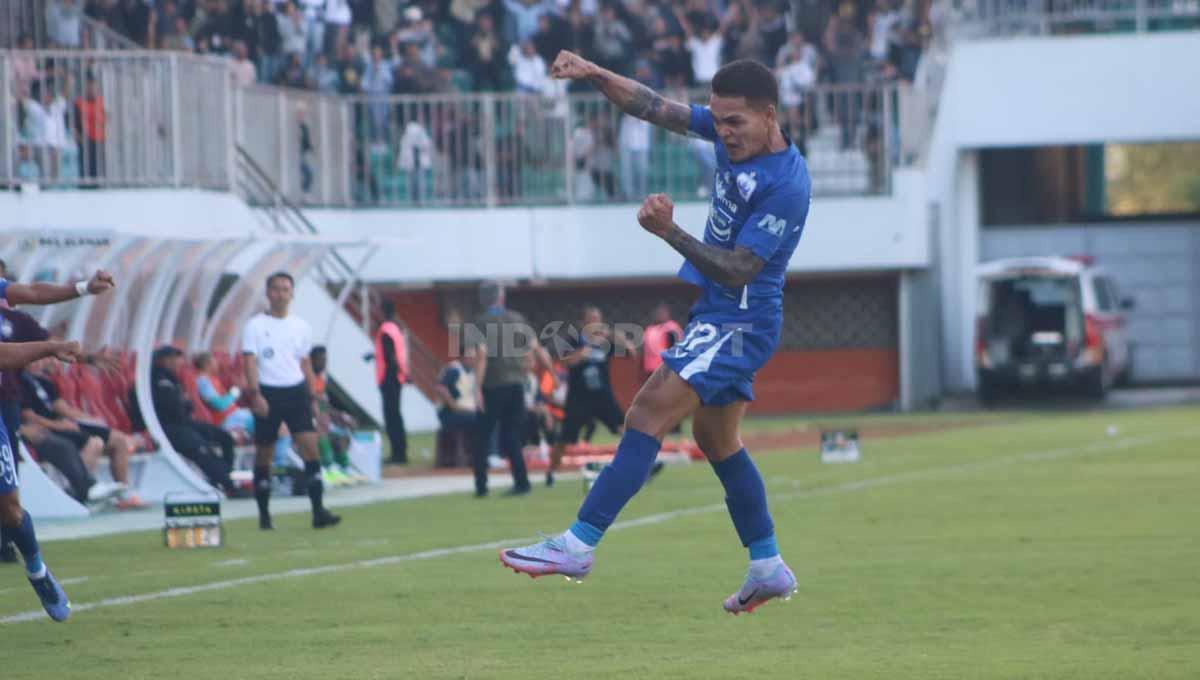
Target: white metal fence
(113,119)
(143,118)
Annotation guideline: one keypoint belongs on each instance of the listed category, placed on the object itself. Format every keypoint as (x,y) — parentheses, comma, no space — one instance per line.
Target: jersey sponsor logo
(746,184)
(772,225)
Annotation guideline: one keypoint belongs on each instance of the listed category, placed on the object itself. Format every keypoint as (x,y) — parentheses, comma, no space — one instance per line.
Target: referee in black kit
(280,382)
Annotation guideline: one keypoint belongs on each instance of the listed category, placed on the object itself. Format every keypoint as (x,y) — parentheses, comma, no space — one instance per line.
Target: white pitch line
(1103,446)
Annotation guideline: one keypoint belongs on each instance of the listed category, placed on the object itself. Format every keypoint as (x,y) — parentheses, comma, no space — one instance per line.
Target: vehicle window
(1035,303)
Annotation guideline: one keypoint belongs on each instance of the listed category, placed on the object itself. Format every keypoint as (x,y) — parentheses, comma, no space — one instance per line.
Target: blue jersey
(8,468)
(760,204)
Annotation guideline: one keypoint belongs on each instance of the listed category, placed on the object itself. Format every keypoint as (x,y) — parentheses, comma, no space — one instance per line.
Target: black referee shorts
(583,409)
(291,405)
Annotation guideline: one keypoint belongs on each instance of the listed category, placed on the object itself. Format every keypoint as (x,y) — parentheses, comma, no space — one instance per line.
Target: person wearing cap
(192,439)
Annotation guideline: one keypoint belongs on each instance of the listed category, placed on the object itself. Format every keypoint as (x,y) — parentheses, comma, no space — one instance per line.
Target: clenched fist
(67,351)
(657,214)
(101,282)
(571,66)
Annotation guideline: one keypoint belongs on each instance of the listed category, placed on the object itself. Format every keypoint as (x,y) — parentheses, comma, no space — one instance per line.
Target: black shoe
(264,524)
(481,493)
(549,479)
(323,518)
(8,554)
(518,491)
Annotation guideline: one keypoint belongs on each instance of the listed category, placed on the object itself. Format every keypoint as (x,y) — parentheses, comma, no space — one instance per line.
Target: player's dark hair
(317,351)
(280,275)
(388,308)
(747,78)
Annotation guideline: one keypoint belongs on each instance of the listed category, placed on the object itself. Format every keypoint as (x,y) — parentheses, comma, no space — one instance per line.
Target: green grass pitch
(1028,546)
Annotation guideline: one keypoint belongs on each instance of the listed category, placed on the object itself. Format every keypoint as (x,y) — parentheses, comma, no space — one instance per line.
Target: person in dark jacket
(193,439)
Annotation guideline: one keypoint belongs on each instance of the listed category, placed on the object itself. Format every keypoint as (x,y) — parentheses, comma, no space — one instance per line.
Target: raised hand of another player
(657,214)
(101,282)
(570,66)
(67,351)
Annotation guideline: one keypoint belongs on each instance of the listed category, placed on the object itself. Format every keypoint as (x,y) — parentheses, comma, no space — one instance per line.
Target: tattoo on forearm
(640,101)
(729,268)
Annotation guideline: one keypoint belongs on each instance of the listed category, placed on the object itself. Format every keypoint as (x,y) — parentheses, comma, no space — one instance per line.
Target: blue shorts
(720,353)
(8,466)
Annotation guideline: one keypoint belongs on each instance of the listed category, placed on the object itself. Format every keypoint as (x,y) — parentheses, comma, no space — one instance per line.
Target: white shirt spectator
(416,148)
(279,345)
(64,22)
(881,33)
(293,36)
(587,8)
(808,54)
(312,9)
(337,12)
(529,71)
(635,134)
(706,56)
(794,80)
(243,73)
(57,134)
(37,123)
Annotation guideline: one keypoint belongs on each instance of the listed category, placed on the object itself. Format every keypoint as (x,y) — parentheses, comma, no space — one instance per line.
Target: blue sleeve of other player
(701,123)
(3,289)
(772,222)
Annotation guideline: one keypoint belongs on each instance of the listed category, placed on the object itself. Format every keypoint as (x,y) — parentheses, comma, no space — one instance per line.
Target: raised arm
(50,293)
(629,95)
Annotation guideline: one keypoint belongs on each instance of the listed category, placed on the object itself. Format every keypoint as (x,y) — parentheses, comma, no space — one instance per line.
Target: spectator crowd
(392,46)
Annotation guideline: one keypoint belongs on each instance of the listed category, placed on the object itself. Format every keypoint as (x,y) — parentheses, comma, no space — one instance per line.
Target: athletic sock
(746,498)
(617,483)
(26,540)
(325,450)
(262,491)
(316,488)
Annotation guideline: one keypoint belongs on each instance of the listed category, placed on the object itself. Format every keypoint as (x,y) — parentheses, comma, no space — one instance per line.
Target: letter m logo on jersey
(772,224)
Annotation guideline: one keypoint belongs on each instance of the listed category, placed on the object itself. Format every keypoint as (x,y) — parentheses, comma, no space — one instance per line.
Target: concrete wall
(849,234)
(1042,91)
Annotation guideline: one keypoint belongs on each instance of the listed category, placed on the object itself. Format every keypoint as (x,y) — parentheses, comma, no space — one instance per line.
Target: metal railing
(145,118)
(113,119)
(986,18)
(30,19)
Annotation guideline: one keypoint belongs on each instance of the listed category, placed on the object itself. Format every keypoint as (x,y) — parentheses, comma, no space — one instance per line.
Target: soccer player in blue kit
(15,523)
(760,201)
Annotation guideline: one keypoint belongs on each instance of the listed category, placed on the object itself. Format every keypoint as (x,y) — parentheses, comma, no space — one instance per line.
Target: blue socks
(26,541)
(746,498)
(617,483)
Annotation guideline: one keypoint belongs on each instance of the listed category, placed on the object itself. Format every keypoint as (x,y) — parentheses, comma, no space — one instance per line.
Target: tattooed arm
(629,95)
(730,268)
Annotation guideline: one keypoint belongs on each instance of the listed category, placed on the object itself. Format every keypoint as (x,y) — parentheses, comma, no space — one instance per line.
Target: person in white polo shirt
(280,382)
